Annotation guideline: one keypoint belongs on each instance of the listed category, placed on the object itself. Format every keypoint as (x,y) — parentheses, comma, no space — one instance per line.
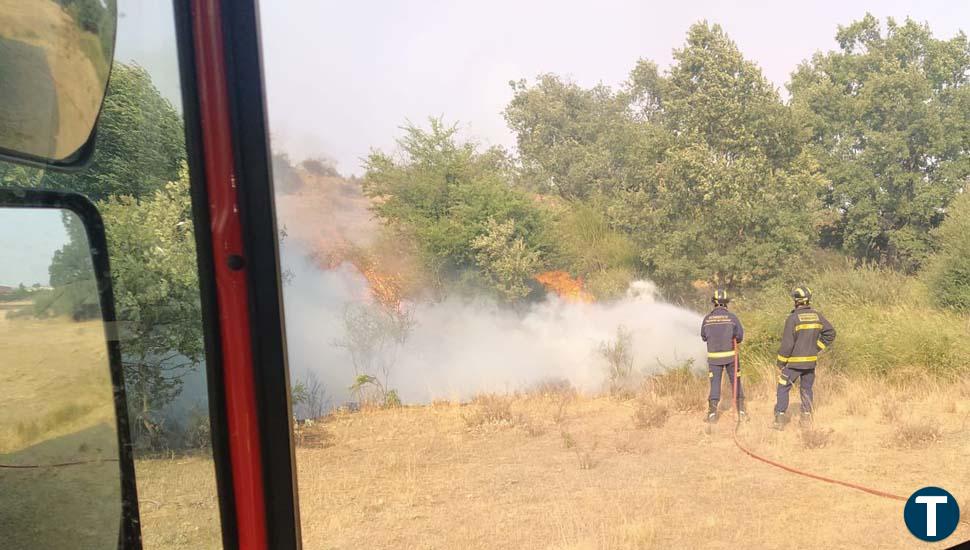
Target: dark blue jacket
(720,329)
(806,334)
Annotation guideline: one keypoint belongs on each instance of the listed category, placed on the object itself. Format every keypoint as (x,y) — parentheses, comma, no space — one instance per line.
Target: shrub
(585,243)
(286,179)
(650,414)
(815,438)
(490,409)
(919,433)
(553,386)
(608,284)
(885,321)
(320,167)
(948,273)
(679,387)
(619,358)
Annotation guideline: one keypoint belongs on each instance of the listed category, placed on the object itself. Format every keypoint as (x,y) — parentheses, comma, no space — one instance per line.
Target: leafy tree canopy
(889,116)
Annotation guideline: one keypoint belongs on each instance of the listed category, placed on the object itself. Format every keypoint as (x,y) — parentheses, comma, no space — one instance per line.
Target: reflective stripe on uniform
(782,380)
(820,344)
(784,359)
(807,326)
(720,354)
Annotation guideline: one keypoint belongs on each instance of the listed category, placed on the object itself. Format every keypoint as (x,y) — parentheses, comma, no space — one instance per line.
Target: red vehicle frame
(232,197)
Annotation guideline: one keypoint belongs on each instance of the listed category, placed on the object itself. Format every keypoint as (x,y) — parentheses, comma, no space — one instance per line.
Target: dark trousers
(715,372)
(788,376)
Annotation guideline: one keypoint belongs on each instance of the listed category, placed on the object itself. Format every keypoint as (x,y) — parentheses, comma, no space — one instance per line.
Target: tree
(948,273)
(442,194)
(157,295)
(286,179)
(140,141)
(74,288)
(713,95)
(731,198)
(889,115)
(505,259)
(577,142)
(701,167)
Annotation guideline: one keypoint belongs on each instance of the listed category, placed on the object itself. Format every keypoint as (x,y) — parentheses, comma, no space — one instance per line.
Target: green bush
(948,274)
(446,196)
(886,325)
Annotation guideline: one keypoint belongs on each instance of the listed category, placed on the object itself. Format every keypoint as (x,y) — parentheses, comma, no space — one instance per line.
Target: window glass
(139,183)
(503,226)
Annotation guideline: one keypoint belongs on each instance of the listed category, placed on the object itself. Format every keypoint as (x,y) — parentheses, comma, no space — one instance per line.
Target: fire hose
(791,469)
(56,464)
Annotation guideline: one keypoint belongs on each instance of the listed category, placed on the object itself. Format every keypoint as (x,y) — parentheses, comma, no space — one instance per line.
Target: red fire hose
(755,456)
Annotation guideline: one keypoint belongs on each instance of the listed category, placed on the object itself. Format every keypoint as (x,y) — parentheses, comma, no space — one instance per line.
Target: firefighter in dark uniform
(721,329)
(806,334)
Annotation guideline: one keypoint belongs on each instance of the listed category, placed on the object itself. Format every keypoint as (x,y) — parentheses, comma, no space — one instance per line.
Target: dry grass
(57,405)
(490,410)
(679,389)
(815,438)
(913,434)
(552,469)
(393,478)
(650,414)
(178,503)
(889,410)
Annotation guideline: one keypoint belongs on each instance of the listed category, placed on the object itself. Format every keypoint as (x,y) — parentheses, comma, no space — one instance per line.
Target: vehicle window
(521,242)
(139,182)
(59,454)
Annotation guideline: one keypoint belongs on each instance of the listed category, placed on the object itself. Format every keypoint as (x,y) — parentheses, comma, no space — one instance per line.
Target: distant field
(575,473)
(56,405)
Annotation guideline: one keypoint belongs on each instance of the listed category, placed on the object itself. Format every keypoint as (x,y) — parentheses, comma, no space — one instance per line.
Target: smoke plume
(458,347)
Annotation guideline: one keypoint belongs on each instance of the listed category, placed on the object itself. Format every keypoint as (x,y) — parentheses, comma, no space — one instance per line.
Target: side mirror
(67,477)
(55,57)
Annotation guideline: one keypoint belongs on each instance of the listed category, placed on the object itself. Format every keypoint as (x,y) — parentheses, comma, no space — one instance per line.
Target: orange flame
(384,288)
(565,286)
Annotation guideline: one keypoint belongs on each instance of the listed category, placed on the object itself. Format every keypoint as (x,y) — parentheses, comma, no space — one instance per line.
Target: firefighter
(806,334)
(721,329)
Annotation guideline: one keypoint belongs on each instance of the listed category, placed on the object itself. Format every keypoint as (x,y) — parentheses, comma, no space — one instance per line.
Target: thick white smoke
(459,348)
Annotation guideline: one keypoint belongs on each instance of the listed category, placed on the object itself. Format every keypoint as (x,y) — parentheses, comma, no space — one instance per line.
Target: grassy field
(565,471)
(56,405)
(546,470)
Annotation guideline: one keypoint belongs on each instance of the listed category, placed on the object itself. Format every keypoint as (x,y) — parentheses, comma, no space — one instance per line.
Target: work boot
(805,421)
(712,412)
(780,421)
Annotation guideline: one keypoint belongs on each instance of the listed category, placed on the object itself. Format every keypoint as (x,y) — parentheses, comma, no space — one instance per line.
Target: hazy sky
(343,76)
(28,239)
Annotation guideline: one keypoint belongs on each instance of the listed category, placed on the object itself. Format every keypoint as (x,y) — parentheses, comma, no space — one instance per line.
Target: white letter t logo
(931,502)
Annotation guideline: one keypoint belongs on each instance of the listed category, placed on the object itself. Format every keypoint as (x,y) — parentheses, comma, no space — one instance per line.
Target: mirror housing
(75,433)
(55,60)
